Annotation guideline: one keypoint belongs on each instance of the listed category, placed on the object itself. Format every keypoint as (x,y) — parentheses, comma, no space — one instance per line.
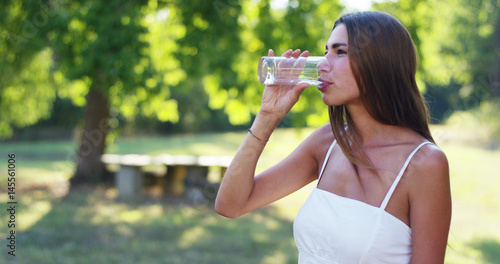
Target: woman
(383,191)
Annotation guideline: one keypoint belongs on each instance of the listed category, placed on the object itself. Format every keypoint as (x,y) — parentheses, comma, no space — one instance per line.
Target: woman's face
(339,86)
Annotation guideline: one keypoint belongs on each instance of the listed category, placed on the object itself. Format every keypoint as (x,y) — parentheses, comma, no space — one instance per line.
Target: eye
(341,51)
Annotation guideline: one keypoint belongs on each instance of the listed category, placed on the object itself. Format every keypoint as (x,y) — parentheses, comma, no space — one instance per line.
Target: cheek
(345,74)
(341,67)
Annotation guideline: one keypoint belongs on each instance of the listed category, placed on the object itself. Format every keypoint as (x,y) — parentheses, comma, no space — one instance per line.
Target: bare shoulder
(428,171)
(320,140)
(429,182)
(429,164)
(323,134)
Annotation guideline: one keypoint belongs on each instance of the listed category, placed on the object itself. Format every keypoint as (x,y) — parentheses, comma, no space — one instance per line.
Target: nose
(323,66)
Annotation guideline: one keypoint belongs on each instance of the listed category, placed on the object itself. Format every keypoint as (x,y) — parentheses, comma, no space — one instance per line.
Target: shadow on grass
(490,250)
(90,226)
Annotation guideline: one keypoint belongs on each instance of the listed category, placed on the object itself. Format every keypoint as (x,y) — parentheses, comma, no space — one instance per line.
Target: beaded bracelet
(256,136)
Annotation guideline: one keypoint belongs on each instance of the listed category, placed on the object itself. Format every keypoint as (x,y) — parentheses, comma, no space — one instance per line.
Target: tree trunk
(90,169)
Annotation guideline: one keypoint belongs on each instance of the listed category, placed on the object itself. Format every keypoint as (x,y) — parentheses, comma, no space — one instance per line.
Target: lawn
(92,226)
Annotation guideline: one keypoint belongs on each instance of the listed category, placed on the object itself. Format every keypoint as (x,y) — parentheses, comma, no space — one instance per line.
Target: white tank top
(333,229)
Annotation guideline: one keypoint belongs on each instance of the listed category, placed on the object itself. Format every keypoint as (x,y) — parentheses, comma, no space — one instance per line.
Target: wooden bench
(182,170)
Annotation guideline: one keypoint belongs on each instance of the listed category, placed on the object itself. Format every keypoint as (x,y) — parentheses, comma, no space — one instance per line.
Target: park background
(179,77)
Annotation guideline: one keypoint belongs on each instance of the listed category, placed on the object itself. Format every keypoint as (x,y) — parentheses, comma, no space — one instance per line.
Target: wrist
(256,137)
(264,125)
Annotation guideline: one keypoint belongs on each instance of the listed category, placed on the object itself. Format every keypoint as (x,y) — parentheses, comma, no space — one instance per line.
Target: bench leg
(196,175)
(177,186)
(128,181)
(179,177)
(222,172)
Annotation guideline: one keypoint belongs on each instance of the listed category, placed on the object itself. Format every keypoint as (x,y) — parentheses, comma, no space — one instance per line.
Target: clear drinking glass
(275,70)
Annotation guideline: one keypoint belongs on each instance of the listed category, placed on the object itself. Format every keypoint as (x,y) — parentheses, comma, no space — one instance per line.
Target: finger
(299,65)
(287,53)
(300,87)
(270,53)
(285,65)
(301,62)
(296,53)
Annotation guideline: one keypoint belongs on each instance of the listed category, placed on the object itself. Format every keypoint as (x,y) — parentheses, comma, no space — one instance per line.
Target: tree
(458,46)
(25,97)
(100,42)
(131,56)
(95,49)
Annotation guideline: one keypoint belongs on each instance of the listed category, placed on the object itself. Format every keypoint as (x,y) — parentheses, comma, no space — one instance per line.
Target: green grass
(92,226)
(476,204)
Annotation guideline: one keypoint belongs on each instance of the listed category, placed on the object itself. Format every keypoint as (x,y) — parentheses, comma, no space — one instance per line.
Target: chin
(330,102)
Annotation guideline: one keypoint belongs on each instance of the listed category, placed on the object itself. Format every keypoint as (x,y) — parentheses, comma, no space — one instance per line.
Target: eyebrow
(336,45)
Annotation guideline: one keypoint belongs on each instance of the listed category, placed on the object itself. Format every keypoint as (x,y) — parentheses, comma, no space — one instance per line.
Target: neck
(373,133)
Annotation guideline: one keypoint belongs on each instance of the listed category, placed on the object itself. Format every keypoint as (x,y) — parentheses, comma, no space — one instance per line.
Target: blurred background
(80,79)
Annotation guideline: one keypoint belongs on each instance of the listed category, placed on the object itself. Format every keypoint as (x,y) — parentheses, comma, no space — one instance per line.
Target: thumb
(299,88)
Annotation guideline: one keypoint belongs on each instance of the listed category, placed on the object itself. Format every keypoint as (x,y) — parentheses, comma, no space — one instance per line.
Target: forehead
(338,35)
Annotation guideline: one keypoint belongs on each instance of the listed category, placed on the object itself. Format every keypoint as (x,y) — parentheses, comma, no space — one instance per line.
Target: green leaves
(27,96)
(227,38)
(455,41)
(194,61)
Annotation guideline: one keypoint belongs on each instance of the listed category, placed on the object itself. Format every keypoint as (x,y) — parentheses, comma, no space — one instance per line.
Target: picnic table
(183,170)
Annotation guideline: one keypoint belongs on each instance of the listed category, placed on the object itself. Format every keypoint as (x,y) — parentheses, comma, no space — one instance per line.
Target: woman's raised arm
(241,191)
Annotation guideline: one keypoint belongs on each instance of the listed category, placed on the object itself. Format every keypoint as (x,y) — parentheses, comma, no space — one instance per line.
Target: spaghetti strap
(400,175)
(326,159)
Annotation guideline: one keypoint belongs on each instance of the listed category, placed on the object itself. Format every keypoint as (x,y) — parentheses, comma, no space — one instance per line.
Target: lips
(323,84)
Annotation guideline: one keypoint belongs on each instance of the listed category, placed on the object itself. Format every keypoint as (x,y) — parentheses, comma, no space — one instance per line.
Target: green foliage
(194,61)
(207,49)
(109,45)
(90,45)
(26,96)
(100,41)
(455,41)
(228,38)
(26,93)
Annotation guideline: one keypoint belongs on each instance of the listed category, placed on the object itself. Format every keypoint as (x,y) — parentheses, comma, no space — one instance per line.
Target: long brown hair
(384,62)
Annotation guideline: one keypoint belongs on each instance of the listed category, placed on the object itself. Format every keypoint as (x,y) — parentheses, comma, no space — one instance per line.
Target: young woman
(383,191)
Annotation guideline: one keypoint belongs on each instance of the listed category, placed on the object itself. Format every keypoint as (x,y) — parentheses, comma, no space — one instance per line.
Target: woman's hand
(279,98)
